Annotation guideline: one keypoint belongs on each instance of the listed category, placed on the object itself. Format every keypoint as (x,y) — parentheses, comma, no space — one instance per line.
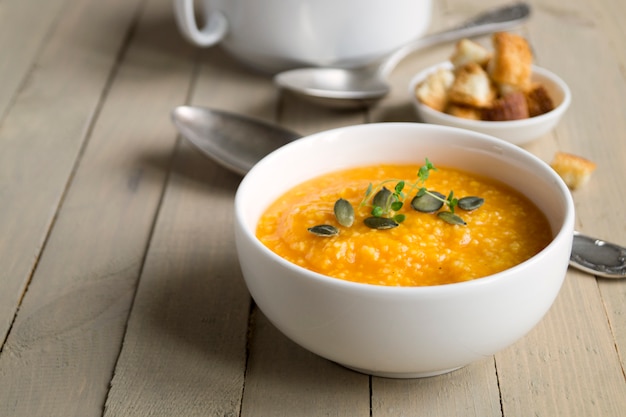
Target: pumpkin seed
(324,230)
(451,218)
(470,203)
(380,223)
(383,198)
(426,203)
(344,212)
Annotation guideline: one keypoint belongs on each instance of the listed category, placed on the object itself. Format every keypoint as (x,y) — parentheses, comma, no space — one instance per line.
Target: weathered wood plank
(283,379)
(184,350)
(591,60)
(569,363)
(305,117)
(42,135)
(22,35)
(469,391)
(598,81)
(223,83)
(59,357)
(192,306)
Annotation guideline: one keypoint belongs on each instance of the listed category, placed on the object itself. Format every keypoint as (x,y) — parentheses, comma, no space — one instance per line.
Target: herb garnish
(385,204)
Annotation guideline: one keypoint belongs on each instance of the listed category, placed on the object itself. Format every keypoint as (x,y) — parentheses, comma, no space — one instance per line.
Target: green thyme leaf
(377,211)
(451,218)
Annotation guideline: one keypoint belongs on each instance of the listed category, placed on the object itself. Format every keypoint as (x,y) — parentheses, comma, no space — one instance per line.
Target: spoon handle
(598,257)
(499,19)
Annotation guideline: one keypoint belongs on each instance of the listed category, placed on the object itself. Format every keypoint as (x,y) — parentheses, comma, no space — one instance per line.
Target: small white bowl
(402,332)
(517,132)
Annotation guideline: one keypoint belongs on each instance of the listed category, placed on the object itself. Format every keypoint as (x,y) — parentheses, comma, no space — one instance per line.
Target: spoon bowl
(598,257)
(362,87)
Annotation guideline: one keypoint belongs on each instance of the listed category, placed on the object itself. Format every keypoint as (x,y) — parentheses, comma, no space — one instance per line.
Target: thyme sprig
(386,203)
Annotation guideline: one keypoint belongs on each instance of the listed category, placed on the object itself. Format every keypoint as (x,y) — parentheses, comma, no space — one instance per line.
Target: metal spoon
(237,143)
(234,141)
(349,88)
(598,257)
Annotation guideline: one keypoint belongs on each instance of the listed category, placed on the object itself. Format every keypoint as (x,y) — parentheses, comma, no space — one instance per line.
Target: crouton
(513,106)
(511,64)
(574,169)
(433,91)
(467,51)
(464,112)
(539,101)
(472,87)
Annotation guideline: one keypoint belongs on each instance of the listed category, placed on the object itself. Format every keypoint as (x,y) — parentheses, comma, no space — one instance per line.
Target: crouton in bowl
(500,92)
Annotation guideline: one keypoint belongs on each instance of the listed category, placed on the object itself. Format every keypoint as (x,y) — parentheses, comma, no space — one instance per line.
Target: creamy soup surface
(423,250)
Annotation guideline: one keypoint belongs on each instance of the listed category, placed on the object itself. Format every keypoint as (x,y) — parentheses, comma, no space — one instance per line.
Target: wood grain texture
(596,73)
(594,128)
(23,36)
(43,132)
(59,356)
(549,371)
(283,379)
(185,347)
(469,391)
(191,305)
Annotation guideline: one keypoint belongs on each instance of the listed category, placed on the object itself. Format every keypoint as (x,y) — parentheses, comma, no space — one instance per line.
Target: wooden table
(120,291)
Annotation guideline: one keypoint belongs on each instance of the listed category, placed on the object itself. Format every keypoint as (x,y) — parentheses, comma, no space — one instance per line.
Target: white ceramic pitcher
(275,35)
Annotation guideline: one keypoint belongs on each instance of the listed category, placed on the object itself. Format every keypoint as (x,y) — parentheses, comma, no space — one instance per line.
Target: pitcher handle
(212,33)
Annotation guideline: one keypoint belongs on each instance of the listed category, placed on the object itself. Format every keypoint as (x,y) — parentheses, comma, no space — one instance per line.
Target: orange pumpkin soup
(423,250)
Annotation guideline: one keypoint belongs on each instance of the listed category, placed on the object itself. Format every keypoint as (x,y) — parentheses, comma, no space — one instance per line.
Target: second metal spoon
(345,88)
(237,143)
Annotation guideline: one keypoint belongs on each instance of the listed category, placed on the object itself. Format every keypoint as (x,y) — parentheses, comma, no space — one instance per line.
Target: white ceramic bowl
(402,332)
(518,132)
